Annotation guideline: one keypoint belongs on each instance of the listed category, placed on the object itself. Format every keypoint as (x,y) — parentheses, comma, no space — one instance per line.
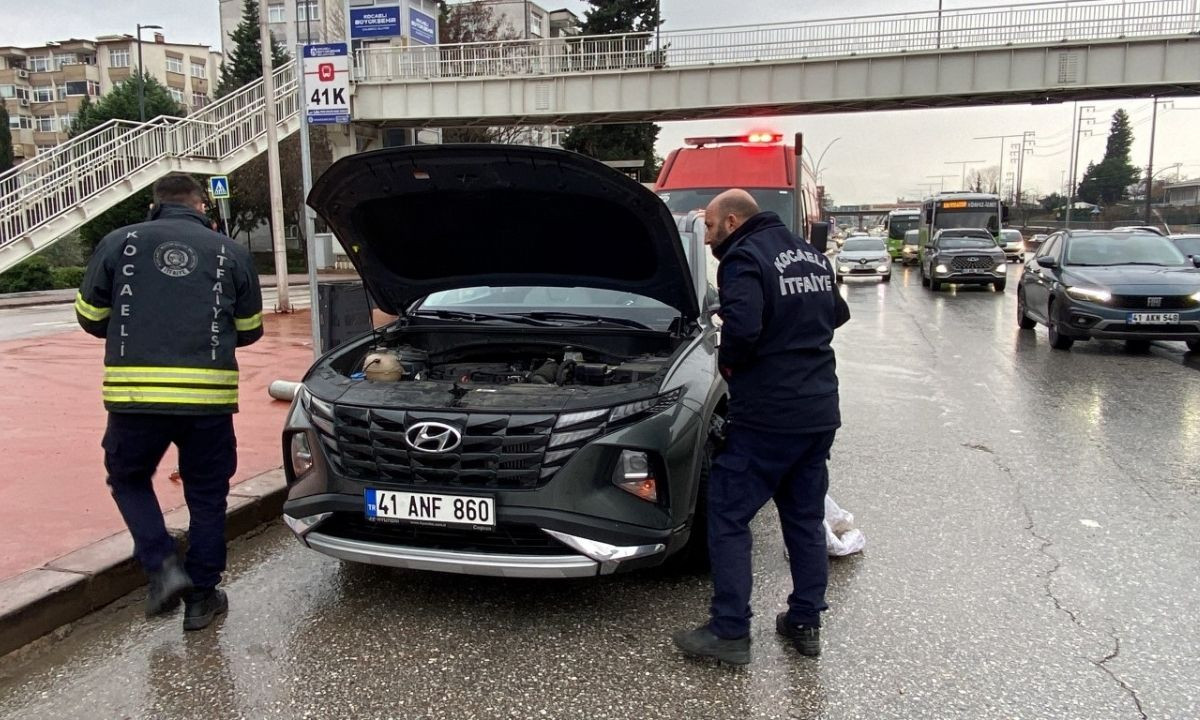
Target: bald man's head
(725,214)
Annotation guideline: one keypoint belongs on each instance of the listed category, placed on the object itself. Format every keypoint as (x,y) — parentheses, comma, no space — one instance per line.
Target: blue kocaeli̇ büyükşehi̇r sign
(369,22)
(421,27)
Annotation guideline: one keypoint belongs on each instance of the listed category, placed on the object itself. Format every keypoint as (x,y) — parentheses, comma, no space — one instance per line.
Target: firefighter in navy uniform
(779,309)
(172,299)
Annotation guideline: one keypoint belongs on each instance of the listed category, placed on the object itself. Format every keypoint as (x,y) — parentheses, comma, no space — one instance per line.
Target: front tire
(1058,341)
(693,558)
(1193,345)
(934,285)
(999,286)
(1023,320)
(840,279)
(887,278)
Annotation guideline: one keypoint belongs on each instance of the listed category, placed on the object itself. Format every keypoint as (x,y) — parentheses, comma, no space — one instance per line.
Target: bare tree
(984,180)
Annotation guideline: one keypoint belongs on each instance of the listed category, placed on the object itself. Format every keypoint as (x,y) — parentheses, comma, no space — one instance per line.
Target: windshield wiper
(476,316)
(559,315)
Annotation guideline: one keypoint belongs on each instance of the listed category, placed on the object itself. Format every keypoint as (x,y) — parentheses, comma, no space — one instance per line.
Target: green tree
(250,195)
(1108,182)
(121,103)
(6,145)
(631,141)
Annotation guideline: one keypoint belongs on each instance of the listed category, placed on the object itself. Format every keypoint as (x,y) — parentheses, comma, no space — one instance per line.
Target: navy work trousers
(755,467)
(134,444)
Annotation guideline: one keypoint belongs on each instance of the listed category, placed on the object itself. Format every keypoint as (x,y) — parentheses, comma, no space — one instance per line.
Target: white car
(863,256)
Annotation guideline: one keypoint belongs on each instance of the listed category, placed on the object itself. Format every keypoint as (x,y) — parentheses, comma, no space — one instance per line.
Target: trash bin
(345,310)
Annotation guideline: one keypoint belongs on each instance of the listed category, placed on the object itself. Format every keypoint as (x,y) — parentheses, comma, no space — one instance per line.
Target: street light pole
(941,181)
(1150,161)
(816,166)
(142,72)
(964,164)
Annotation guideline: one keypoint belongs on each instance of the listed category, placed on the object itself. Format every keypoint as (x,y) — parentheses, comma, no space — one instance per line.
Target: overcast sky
(878,157)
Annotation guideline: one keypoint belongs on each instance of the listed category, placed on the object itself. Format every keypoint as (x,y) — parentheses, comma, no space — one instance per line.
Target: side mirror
(819,236)
(1047,262)
(1195,261)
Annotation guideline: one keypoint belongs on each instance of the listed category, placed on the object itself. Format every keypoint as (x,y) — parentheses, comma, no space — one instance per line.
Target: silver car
(863,256)
(1013,243)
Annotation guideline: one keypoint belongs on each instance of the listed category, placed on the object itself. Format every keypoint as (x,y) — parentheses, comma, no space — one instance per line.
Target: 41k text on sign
(327,83)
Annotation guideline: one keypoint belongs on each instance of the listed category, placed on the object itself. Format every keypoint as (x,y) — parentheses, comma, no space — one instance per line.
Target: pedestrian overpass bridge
(1045,52)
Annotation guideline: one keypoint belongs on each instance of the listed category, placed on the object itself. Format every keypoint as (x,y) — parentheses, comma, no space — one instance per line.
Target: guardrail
(1048,22)
(54,183)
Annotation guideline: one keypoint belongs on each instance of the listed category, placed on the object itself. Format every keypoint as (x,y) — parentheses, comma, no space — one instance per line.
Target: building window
(40,63)
(60,92)
(199,99)
(20,122)
(67,120)
(93,88)
(175,65)
(198,70)
(535,24)
(276,13)
(68,59)
(76,88)
(8,91)
(43,94)
(308,10)
(176,94)
(118,57)
(47,124)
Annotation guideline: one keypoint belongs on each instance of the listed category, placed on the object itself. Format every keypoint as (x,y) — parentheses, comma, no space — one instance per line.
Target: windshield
(768,199)
(1131,249)
(863,245)
(984,219)
(959,242)
(898,225)
(1188,245)
(912,237)
(530,299)
(1010,236)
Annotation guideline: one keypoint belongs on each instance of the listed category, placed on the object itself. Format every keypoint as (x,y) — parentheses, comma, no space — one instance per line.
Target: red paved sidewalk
(54,499)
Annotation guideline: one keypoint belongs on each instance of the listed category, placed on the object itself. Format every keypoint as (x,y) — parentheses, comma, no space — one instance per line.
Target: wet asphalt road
(1032,552)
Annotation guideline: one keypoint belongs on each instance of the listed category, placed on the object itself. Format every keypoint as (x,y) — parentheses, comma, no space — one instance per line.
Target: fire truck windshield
(768,199)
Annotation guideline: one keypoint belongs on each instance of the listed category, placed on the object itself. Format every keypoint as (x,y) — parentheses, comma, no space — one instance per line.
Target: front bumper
(963,278)
(603,559)
(1084,320)
(1014,254)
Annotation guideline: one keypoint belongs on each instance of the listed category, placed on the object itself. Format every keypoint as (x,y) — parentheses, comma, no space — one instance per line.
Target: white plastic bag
(841,537)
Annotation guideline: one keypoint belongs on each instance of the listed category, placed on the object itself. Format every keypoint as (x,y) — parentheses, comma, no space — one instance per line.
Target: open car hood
(420,219)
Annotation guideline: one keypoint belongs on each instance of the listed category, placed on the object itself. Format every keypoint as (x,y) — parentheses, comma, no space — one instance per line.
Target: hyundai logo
(433,437)
(972,259)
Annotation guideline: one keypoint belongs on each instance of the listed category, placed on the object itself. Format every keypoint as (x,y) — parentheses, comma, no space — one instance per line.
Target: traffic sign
(327,83)
(218,187)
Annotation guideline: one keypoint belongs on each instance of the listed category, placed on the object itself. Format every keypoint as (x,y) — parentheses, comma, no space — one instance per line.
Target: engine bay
(505,366)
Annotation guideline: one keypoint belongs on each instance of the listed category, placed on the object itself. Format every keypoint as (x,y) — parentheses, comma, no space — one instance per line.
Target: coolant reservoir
(382,367)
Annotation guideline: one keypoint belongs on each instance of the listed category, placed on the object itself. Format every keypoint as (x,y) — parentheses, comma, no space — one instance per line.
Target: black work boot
(806,638)
(202,606)
(166,587)
(701,642)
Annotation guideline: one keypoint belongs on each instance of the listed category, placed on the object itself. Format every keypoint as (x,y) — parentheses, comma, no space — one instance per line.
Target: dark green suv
(545,402)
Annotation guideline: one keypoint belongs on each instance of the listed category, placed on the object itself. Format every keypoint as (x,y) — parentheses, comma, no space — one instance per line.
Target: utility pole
(1003,139)
(964,164)
(273,178)
(1150,161)
(142,72)
(1027,141)
(941,181)
(1077,132)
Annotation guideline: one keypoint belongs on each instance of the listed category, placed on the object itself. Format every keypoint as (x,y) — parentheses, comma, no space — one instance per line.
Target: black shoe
(701,642)
(166,587)
(202,607)
(806,638)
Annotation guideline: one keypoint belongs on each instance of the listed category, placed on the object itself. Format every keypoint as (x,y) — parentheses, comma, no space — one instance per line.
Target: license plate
(1153,318)
(430,509)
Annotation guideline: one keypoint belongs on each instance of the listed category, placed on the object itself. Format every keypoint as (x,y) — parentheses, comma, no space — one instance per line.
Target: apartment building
(530,21)
(43,87)
(303,22)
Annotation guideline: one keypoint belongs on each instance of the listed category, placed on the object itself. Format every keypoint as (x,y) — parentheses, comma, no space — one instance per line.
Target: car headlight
(1195,297)
(1001,268)
(941,269)
(884,268)
(1095,295)
(300,455)
(635,475)
(844,268)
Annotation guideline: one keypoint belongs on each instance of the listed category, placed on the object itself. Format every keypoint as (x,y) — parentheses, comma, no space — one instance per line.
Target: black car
(1119,285)
(546,403)
(1189,245)
(963,256)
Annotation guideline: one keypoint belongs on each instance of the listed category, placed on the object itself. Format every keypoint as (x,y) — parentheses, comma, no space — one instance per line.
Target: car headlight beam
(1089,294)
(941,269)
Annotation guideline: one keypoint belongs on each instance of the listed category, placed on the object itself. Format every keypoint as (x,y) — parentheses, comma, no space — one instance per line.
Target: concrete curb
(39,601)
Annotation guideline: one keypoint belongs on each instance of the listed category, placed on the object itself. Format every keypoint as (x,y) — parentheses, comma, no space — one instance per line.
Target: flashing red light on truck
(758,138)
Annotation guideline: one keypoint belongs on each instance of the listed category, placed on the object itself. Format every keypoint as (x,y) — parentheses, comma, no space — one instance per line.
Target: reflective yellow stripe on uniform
(181,396)
(89,311)
(250,323)
(169,375)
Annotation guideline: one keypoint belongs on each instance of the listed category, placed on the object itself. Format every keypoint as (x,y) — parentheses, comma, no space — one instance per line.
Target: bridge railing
(996,26)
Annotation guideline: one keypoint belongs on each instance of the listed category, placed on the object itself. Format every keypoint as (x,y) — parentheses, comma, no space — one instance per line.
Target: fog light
(301,455)
(941,269)
(843,268)
(634,475)
(884,268)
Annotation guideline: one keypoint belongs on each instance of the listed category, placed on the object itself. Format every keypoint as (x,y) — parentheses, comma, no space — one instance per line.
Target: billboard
(374,22)
(421,28)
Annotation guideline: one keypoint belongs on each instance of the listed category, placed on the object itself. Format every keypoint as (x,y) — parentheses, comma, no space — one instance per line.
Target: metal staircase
(56,192)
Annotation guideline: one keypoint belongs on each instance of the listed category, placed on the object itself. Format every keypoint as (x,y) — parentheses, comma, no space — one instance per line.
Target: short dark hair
(178,188)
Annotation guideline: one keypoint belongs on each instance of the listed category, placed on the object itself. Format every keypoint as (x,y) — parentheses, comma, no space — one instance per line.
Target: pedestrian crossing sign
(218,186)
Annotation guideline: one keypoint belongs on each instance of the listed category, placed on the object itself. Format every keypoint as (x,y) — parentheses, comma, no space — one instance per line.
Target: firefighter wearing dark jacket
(779,308)
(172,299)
